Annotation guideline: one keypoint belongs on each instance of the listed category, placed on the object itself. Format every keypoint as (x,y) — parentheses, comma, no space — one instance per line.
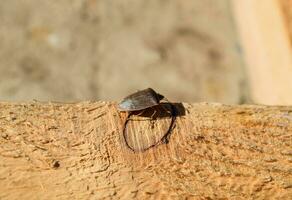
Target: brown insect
(141,101)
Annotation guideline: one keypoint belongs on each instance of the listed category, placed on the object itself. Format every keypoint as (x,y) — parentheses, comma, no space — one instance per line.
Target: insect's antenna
(124,131)
(165,138)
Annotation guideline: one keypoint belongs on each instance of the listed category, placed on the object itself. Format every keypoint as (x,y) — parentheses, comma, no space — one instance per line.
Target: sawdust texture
(76,151)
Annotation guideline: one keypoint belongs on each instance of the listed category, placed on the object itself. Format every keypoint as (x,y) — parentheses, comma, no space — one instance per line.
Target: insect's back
(140,100)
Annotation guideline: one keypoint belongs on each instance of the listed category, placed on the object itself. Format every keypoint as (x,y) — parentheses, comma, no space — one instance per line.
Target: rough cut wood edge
(76,151)
(266,46)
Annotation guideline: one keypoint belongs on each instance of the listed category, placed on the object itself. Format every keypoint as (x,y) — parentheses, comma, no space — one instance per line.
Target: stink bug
(140,100)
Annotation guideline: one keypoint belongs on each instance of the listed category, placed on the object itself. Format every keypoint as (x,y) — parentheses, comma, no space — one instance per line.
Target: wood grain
(76,151)
(286,6)
(267,50)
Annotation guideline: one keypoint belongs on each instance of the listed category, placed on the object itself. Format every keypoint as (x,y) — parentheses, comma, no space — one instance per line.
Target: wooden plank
(267,50)
(286,6)
(77,151)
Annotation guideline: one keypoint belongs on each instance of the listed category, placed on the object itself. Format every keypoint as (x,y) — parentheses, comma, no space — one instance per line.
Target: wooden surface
(77,151)
(286,6)
(266,47)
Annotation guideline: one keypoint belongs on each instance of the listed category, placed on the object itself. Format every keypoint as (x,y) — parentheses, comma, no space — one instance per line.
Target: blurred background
(228,51)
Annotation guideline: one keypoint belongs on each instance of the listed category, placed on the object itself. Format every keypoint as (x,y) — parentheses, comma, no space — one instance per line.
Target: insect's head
(159,97)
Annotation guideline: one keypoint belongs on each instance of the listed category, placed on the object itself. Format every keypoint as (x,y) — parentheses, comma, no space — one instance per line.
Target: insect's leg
(154,113)
(165,109)
(170,112)
(151,117)
(141,113)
